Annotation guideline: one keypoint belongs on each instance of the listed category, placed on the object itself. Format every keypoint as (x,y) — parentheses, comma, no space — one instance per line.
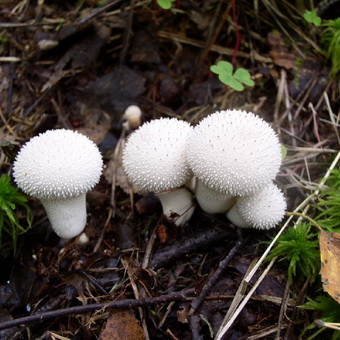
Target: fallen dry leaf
(122,324)
(279,53)
(330,259)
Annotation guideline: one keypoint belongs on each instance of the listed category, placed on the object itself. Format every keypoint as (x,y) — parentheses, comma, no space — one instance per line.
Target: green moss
(10,227)
(300,249)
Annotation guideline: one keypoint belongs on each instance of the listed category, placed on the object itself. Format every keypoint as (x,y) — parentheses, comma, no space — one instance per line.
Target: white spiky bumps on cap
(234,152)
(154,159)
(262,210)
(59,167)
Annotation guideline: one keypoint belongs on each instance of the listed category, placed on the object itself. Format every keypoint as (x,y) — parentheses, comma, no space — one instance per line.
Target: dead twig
(122,304)
(97,12)
(188,245)
(215,277)
(283,310)
(214,48)
(213,33)
(127,34)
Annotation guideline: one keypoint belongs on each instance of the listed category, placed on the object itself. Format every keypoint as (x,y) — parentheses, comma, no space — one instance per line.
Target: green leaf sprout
(329,204)
(235,80)
(312,18)
(165,4)
(330,38)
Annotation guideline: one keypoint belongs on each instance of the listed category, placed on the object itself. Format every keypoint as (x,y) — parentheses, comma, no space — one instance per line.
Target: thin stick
(214,278)
(222,332)
(305,217)
(282,310)
(188,245)
(331,115)
(126,304)
(214,48)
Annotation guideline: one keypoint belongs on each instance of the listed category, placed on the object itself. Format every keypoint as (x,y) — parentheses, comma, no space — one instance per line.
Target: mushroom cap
(154,155)
(132,115)
(58,164)
(132,111)
(263,210)
(234,152)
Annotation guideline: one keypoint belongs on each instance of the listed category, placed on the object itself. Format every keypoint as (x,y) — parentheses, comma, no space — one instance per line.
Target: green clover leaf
(244,77)
(222,67)
(165,4)
(224,70)
(312,18)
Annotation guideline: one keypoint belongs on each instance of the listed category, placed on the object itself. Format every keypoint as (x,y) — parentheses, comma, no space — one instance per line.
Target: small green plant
(10,227)
(299,247)
(329,204)
(312,18)
(165,4)
(235,80)
(329,311)
(330,39)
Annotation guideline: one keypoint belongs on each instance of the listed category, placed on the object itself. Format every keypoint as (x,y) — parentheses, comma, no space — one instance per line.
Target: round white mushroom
(59,167)
(234,152)
(262,210)
(132,116)
(154,159)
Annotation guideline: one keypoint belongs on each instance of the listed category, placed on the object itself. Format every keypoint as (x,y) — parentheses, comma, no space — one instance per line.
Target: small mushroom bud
(132,116)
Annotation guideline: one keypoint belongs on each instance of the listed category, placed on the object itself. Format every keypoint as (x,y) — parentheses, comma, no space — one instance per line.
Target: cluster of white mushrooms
(228,162)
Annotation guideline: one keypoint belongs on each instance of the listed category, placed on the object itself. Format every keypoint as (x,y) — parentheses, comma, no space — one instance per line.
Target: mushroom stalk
(212,201)
(178,205)
(67,216)
(236,219)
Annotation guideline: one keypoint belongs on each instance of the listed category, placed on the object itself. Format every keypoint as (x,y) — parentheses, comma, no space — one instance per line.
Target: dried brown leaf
(330,259)
(281,56)
(122,324)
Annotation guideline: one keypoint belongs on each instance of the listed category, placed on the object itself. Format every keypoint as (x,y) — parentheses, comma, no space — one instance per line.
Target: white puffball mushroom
(59,167)
(132,116)
(154,159)
(234,152)
(83,239)
(262,210)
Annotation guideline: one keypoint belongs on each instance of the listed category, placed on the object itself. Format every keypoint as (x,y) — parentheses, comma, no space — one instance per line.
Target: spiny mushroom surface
(234,152)
(59,167)
(262,210)
(154,155)
(154,159)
